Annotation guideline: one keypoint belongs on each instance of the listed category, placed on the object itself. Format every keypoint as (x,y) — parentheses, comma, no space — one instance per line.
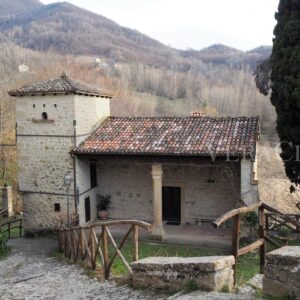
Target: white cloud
(242,24)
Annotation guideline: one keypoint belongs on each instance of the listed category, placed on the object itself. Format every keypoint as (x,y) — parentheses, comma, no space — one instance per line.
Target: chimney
(197,114)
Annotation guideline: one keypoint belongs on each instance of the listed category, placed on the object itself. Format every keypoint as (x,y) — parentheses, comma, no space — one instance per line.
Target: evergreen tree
(285,78)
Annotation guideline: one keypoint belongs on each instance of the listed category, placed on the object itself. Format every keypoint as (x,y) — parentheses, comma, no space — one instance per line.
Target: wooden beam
(120,246)
(282,215)
(235,243)
(250,247)
(262,235)
(235,212)
(105,252)
(274,243)
(141,224)
(135,241)
(119,253)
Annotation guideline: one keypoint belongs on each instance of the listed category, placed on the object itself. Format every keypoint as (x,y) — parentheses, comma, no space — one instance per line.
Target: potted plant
(103,202)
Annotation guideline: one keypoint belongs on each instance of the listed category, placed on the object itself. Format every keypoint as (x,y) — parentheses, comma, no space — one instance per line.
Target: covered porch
(179,196)
(189,235)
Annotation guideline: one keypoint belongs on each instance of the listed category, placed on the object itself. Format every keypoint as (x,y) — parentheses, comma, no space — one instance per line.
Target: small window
(55,105)
(44,116)
(93,174)
(44,105)
(33,105)
(56,207)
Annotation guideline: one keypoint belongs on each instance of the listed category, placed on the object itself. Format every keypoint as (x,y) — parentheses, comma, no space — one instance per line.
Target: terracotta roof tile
(61,85)
(186,136)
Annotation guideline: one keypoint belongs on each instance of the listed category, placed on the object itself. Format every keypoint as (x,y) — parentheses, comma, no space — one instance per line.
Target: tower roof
(59,86)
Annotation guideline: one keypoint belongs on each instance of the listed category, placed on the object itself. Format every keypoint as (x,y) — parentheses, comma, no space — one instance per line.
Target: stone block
(211,273)
(282,272)
(275,288)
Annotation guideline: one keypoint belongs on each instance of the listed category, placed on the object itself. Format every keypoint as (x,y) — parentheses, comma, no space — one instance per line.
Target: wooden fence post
(262,235)
(93,250)
(105,252)
(21,227)
(235,243)
(135,237)
(81,241)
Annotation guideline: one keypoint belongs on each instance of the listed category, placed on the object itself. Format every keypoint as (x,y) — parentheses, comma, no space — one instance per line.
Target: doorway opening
(171,205)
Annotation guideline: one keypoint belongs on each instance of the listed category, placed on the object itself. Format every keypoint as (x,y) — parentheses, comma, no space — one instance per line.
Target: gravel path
(31,272)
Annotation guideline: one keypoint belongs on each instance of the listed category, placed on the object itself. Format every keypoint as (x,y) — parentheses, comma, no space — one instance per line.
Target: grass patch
(5,252)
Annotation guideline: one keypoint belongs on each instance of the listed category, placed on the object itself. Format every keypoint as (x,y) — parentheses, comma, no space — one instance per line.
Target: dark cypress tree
(285,78)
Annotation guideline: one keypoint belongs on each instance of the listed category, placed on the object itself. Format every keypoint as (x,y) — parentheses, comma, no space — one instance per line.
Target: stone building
(160,169)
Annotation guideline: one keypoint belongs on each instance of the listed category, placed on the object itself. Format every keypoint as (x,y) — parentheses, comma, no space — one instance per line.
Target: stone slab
(205,263)
(212,273)
(282,272)
(285,256)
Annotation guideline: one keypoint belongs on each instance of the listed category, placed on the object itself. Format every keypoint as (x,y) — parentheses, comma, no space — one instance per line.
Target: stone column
(158,229)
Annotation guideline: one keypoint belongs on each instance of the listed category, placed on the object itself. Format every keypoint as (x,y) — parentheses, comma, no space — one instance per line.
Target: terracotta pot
(103,214)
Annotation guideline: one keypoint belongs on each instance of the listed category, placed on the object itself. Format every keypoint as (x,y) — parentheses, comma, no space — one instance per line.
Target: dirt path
(31,272)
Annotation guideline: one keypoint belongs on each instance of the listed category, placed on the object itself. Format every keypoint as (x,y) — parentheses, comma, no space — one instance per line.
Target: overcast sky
(243,24)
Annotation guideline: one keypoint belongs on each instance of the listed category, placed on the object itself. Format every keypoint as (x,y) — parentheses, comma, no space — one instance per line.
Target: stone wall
(282,273)
(44,153)
(249,184)
(89,113)
(207,191)
(211,273)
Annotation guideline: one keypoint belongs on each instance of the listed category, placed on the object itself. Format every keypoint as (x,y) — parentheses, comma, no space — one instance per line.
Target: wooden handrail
(280,214)
(90,245)
(234,212)
(250,247)
(141,224)
(261,242)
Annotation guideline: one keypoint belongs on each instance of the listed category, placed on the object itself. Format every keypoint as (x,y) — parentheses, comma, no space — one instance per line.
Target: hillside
(68,29)
(9,7)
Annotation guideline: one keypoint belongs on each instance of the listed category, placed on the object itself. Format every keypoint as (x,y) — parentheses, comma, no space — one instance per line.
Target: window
(56,207)
(33,105)
(55,105)
(93,174)
(44,116)
(44,105)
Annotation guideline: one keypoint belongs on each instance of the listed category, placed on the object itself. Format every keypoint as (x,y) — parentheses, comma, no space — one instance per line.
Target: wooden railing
(6,231)
(262,236)
(274,220)
(89,242)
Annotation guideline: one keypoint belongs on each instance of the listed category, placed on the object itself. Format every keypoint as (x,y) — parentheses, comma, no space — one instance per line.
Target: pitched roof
(186,136)
(58,86)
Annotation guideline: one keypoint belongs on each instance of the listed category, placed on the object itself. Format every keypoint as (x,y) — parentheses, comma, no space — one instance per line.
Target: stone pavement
(32,272)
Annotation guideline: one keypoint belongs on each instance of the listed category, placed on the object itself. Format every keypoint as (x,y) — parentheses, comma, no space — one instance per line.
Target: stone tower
(52,118)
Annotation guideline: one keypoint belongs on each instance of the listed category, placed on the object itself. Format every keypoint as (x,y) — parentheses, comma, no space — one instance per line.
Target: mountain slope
(67,29)
(8,7)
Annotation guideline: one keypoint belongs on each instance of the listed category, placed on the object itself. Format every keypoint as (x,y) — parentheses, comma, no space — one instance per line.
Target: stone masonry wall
(249,187)
(44,152)
(282,273)
(211,273)
(89,113)
(130,185)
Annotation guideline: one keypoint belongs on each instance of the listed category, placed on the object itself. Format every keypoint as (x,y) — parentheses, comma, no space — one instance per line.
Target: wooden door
(172,204)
